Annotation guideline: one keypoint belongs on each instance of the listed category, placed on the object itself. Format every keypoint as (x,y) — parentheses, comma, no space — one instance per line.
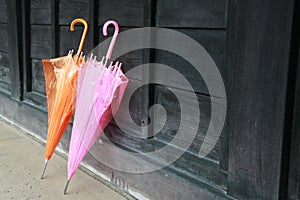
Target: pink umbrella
(99,94)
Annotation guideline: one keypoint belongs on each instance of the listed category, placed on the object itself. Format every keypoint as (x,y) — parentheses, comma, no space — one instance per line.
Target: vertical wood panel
(257,97)
(148,57)
(26,44)
(93,33)
(4,72)
(3,11)
(54,28)
(4,56)
(294,162)
(40,42)
(15,48)
(290,170)
(3,38)
(38,80)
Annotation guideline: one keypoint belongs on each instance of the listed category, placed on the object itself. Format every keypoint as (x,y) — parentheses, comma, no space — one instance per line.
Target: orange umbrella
(61,84)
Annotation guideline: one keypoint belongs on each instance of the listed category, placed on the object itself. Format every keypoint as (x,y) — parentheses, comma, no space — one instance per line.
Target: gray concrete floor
(21,162)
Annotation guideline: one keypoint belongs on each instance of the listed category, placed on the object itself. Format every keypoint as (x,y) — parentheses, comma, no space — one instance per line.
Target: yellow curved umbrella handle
(75,21)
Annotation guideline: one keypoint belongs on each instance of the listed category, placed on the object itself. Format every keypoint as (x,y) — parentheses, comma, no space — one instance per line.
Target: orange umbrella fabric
(61,84)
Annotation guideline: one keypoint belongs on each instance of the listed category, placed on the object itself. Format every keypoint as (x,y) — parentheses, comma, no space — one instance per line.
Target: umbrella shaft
(66,187)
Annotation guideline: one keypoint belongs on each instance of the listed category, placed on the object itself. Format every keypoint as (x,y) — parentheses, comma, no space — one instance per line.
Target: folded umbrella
(102,90)
(61,83)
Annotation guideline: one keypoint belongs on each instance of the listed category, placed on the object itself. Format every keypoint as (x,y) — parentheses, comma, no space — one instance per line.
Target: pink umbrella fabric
(99,95)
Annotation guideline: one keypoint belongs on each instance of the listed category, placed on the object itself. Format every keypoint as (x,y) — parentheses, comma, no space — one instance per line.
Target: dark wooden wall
(248,40)
(259,79)
(4,55)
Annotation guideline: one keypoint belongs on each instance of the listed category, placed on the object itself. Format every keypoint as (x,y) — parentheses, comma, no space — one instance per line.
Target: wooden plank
(190,163)
(125,12)
(15,48)
(4,74)
(4,59)
(71,9)
(132,60)
(26,37)
(54,28)
(40,10)
(3,38)
(70,40)
(36,99)
(259,67)
(148,57)
(214,42)
(5,88)
(93,31)
(135,110)
(40,42)
(4,67)
(167,99)
(290,176)
(38,79)
(294,163)
(192,13)
(3,11)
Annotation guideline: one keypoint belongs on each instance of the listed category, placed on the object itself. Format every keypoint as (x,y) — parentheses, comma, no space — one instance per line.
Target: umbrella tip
(66,187)
(44,169)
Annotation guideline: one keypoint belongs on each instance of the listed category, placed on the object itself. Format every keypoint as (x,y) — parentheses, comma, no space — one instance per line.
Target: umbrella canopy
(99,97)
(61,83)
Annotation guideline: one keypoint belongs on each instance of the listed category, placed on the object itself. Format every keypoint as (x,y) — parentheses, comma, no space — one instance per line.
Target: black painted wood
(173,183)
(290,181)
(4,73)
(71,9)
(290,177)
(4,38)
(148,57)
(54,28)
(70,40)
(15,48)
(259,63)
(38,79)
(93,33)
(40,45)
(129,60)
(26,44)
(4,56)
(192,13)
(40,12)
(214,42)
(293,180)
(3,11)
(128,13)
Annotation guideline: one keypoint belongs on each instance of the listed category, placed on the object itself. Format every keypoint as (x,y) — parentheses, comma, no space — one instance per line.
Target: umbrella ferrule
(66,187)
(44,168)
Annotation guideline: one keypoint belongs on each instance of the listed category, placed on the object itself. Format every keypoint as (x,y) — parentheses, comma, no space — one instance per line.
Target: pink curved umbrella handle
(113,41)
